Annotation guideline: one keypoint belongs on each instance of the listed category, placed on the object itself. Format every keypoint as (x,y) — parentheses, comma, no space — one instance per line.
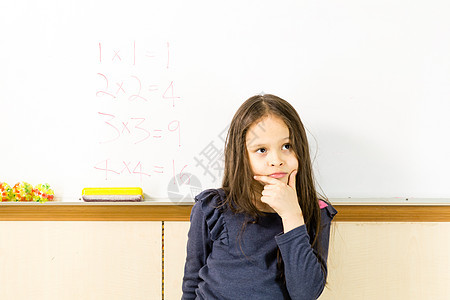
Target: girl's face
(269,149)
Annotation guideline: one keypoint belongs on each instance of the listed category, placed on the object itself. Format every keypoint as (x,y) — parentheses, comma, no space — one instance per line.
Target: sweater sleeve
(207,225)
(198,249)
(305,278)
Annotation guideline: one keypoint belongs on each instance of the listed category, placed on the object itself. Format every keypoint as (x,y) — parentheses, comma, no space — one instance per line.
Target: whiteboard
(140,93)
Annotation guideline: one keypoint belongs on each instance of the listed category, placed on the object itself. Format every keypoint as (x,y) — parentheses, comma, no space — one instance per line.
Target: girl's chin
(284,180)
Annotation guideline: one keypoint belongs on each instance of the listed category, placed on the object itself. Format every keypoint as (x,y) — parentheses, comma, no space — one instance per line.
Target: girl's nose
(275,160)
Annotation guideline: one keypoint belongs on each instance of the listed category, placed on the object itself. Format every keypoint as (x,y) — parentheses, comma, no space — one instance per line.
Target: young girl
(265,233)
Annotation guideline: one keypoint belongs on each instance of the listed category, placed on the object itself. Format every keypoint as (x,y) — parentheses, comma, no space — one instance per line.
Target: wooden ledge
(181,212)
(392,213)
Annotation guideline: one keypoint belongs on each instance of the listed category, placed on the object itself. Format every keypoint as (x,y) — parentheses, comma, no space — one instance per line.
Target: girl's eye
(287,146)
(261,150)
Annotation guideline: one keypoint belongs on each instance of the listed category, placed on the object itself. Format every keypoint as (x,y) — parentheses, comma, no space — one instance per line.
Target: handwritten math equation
(138,128)
(131,86)
(133,55)
(132,77)
(111,169)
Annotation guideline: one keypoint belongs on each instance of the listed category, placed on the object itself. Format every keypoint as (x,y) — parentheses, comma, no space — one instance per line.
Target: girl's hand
(282,198)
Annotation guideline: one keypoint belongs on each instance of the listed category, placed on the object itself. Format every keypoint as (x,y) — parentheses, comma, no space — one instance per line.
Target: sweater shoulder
(327,211)
(210,202)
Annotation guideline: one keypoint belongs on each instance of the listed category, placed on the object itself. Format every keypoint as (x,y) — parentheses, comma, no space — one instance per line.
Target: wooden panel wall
(80,260)
(115,252)
(367,261)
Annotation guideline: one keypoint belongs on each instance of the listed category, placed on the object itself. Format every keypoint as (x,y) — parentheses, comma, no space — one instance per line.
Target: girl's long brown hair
(238,182)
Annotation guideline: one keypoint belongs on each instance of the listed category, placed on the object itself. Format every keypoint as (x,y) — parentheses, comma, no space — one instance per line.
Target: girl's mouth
(277,175)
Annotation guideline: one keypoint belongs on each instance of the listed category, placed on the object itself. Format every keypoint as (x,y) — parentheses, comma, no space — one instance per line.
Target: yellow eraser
(113,191)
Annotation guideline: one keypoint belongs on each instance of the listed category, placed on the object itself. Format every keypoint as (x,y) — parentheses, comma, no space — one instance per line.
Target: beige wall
(366,261)
(80,260)
(389,261)
(122,260)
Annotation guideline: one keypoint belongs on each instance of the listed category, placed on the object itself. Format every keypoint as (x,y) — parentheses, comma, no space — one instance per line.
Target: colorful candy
(23,191)
(43,193)
(6,192)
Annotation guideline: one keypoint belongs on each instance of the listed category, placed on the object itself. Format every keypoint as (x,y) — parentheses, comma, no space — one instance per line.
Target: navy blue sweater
(224,262)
